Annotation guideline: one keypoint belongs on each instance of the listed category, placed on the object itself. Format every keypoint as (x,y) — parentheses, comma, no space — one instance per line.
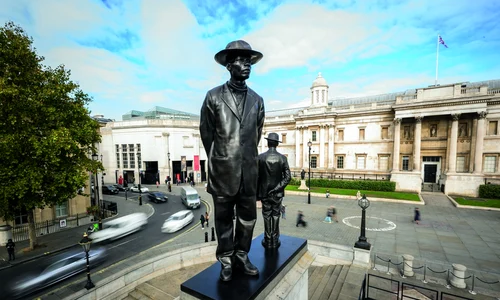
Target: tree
(46,132)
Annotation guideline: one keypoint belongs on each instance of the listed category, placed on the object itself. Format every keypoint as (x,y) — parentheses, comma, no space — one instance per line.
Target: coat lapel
(229,100)
(250,102)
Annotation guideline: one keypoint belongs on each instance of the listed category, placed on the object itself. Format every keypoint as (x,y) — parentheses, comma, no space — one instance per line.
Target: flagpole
(437,60)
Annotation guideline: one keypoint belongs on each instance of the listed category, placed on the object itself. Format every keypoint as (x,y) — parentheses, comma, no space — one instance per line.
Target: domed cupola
(319,91)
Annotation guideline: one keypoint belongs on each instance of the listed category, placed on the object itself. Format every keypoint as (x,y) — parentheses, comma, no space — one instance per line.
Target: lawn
(376,194)
(478,202)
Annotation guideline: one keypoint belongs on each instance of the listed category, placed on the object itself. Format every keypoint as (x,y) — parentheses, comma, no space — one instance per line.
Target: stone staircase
(147,291)
(335,282)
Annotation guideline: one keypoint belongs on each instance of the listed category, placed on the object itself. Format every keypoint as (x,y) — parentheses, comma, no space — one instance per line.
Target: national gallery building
(441,137)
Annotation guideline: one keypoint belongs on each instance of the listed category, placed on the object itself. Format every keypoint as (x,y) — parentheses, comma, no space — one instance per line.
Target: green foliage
(375,194)
(369,185)
(479,202)
(45,128)
(489,191)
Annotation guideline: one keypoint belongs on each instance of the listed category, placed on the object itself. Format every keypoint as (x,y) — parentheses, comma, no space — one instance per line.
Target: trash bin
(5,234)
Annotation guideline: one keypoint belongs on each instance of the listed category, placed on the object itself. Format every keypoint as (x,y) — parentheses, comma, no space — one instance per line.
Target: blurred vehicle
(157,197)
(120,187)
(120,227)
(109,189)
(135,189)
(190,197)
(55,269)
(177,221)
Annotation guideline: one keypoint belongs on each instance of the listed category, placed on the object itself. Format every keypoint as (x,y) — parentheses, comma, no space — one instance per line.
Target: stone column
(297,147)
(305,149)
(452,160)
(397,137)
(478,157)
(417,143)
(331,145)
(456,278)
(408,265)
(322,146)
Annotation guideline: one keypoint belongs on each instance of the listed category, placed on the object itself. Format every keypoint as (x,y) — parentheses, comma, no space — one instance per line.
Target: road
(119,249)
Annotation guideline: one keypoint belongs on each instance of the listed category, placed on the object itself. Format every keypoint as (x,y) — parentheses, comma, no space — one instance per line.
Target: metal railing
(345,176)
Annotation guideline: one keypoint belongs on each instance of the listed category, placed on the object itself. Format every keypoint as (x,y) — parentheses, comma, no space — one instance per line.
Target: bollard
(458,276)
(408,265)
(213,234)
(140,200)
(206,237)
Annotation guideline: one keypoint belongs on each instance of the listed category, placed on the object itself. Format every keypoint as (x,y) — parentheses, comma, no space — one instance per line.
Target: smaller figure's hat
(273,137)
(241,47)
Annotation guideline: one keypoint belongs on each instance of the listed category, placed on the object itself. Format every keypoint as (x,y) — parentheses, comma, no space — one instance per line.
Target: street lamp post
(168,155)
(309,144)
(362,243)
(102,201)
(95,157)
(85,243)
(140,190)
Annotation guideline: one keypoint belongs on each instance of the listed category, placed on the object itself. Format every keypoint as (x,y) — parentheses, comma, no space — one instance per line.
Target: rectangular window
(490,163)
(117,148)
(61,210)
(21,217)
(313,138)
(138,147)
(139,160)
(340,162)
(383,162)
(493,127)
(385,133)
(460,164)
(131,148)
(132,160)
(283,138)
(360,161)
(361,134)
(314,162)
(341,134)
(406,163)
(118,160)
(124,147)
(125,160)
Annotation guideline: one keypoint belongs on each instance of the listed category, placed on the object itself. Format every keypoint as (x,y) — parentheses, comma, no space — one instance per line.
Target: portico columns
(452,160)
(417,143)
(478,158)
(397,136)
(297,147)
(322,146)
(330,146)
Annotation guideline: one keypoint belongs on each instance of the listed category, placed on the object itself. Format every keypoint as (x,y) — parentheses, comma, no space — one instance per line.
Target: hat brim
(221,56)
(272,140)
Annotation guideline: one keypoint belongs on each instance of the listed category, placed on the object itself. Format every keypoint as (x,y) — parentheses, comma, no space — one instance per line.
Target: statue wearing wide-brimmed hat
(231,122)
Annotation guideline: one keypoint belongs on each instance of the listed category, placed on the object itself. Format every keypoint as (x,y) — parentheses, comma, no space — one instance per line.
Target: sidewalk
(64,239)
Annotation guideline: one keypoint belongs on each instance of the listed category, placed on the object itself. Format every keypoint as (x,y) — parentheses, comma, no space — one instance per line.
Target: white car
(135,189)
(120,227)
(177,221)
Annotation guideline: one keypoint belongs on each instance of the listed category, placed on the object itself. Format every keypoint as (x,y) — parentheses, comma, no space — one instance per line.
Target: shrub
(369,185)
(489,191)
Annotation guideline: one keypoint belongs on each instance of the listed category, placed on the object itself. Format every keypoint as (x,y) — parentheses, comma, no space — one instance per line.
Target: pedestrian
(202,221)
(334,213)
(157,184)
(328,218)
(358,195)
(300,219)
(283,211)
(327,193)
(206,218)
(416,218)
(11,249)
(169,187)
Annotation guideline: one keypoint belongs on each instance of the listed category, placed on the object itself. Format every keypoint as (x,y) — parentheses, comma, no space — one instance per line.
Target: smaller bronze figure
(302,174)
(274,176)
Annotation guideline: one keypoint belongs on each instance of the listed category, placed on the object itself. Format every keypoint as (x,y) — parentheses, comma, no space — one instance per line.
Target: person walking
(202,221)
(283,211)
(416,217)
(327,194)
(334,213)
(300,219)
(11,249)
(328,218)
(207,217)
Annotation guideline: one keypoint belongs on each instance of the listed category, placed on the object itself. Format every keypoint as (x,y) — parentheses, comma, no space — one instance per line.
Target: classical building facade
(441,137)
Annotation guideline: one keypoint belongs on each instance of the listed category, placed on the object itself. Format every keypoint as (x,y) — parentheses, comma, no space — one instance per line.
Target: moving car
(157,197)
(120,227)
(55,269)
(135,189)
(190,197)
(120,187)
(109,189)
(177,221)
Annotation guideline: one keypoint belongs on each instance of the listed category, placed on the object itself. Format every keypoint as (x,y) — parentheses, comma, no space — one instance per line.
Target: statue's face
(240,68)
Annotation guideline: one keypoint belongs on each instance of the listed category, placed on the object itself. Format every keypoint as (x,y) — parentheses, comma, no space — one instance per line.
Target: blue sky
(140,54)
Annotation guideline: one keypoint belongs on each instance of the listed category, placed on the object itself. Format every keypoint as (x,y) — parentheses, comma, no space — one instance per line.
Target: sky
(135,55)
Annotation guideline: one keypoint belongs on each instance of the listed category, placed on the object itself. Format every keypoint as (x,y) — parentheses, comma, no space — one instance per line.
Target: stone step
(153,292)
(352,283)
(334,295)
(138,295)
(129,298)
(315,279)
(325,295)
(322,284)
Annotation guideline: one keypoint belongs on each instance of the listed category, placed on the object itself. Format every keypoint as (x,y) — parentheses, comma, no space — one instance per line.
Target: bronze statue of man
(274,176)
(231,121)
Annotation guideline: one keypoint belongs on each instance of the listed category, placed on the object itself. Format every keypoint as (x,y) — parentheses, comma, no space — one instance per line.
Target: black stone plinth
(206,284)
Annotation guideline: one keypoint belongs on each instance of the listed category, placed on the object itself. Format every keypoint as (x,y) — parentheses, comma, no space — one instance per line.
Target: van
(190,197)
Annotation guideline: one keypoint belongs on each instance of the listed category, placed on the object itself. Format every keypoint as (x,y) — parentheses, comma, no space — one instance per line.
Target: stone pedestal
(463,184)
(303,185)
(457,274)
(407,181)
(361,257)
(408,265)
(283,274)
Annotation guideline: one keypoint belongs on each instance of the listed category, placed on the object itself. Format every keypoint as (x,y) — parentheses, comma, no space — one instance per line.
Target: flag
(442,42)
